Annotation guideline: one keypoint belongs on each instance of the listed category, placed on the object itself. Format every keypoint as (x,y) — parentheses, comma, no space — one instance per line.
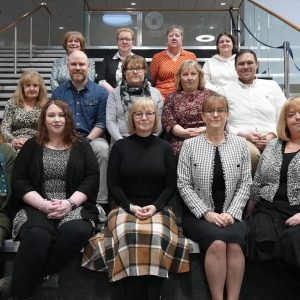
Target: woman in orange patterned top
(165,64)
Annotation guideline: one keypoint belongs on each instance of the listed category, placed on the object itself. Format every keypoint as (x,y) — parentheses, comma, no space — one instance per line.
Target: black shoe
(5,287)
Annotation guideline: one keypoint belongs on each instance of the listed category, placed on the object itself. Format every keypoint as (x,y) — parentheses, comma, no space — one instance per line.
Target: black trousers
(40,253)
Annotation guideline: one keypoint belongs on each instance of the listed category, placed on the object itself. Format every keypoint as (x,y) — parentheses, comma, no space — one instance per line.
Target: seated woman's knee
(217,247)
(234,248)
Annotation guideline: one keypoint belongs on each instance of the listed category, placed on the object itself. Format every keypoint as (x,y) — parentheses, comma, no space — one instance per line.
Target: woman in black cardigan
(55,185)
(109,74)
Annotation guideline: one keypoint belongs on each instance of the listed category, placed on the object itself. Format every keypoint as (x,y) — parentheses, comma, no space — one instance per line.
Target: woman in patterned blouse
(55,185)
(72,41)
(165,64)
(274,230)
(214,180)
(182,113)
(22,111)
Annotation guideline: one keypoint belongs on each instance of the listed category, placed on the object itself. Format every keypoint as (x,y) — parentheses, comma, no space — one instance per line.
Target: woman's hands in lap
(56,209)
(294,220)
(221,220)
(143,213)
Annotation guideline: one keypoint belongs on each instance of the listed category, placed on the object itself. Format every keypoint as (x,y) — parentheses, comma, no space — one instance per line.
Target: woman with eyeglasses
(141,181)
(182,112)
(214,179)
(72,41)
(134,85)
(274,231)
(109,74)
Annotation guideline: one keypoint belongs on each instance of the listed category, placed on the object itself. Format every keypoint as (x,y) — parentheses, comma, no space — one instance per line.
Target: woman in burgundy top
(182,112)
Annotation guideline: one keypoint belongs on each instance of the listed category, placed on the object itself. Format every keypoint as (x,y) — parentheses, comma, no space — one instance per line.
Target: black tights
(41,253)
(137,288)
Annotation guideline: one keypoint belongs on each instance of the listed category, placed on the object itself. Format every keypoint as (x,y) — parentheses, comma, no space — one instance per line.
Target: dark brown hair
(135,60)
(234,48)
(70,134)
(243,51)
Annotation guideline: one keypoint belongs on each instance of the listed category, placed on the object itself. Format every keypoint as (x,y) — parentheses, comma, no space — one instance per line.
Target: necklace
(56,147)
(215,140)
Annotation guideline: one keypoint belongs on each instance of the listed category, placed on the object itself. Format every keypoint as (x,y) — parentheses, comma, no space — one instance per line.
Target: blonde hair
(30,76)
(125,29)
(73,34)
(141,104)
(189,64)
(209,101)
(283,131)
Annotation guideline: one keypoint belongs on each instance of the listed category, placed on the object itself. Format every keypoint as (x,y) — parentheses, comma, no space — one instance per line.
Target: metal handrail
(20,19)
(286,45)
(275,15)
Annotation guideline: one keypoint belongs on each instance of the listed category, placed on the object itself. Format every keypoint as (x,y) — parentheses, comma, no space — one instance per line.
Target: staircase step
(14,82)
(6,60)
(17,76)
(13,88)
(30,63)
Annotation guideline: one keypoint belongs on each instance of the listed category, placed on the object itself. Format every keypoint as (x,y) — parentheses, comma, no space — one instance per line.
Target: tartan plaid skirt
(134,247)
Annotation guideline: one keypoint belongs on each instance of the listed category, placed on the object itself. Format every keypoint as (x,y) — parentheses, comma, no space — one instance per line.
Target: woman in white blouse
(219,70)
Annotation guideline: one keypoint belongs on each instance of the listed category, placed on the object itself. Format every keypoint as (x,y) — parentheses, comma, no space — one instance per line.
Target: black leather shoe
(5,287)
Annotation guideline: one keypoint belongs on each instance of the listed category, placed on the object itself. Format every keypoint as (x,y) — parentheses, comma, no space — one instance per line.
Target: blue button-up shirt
(88,105)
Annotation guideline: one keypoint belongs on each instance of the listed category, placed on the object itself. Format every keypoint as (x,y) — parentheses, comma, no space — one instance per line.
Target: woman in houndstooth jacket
(214,179)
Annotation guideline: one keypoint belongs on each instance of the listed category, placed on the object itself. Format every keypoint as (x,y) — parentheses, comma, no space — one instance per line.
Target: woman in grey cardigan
(133,86)
(214,179)
(274,230)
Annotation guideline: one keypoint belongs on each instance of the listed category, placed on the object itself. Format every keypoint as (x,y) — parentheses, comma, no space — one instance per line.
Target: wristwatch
(72,202)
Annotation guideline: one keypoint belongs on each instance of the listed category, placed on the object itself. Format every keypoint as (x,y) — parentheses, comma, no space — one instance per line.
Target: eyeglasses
(127,40)
(138,70)
(148,114)
(219,111)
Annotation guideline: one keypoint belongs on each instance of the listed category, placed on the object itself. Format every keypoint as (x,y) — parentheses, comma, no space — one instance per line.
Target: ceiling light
(61,28)
(205,38)
(133,3)
(222,3)
(212,27)
(117,20)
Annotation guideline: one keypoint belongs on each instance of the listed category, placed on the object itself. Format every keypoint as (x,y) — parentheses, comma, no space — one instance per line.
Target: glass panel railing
(150,26)
(271,31)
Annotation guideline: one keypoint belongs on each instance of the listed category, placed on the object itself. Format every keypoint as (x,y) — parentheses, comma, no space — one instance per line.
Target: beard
(78,77)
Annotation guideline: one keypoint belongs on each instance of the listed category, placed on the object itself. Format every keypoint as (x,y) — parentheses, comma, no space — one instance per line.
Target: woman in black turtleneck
(142,180)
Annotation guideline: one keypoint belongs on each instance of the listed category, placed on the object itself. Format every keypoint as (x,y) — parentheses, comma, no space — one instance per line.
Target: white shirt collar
(247,86)
(118,56)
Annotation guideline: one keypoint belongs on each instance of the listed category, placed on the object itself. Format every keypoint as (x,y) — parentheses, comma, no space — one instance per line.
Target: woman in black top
(144,240)
(274,230)
(55,184)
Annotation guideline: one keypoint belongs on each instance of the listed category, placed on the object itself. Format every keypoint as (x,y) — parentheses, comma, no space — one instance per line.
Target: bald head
(78,64)
(75,55)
